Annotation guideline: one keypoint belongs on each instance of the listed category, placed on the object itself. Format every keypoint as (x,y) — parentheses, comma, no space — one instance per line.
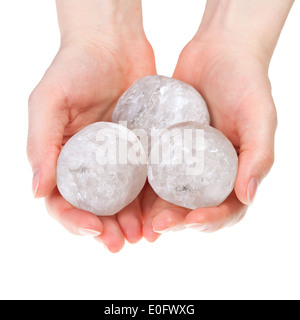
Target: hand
(81,87)
(234,82)
(227,62)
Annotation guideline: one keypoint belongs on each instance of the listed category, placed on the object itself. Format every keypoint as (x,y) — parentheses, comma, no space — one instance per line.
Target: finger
(78,222)
(171,219)
(148,199)
(148,231)
(130,221)
(256,154)
(226,214)
(159,206)
(112,236)
(47,120)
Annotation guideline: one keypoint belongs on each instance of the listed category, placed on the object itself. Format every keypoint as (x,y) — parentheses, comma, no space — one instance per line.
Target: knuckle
(270,158)
(29,150)
(267,161)
(32,98)
(274,118)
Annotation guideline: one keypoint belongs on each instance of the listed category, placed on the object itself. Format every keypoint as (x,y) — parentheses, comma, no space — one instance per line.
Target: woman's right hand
(81,87)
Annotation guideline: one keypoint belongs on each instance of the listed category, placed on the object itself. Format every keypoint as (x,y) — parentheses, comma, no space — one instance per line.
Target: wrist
(253,26)
(99,20)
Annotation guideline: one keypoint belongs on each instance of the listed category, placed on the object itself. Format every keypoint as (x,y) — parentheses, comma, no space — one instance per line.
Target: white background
(256,259)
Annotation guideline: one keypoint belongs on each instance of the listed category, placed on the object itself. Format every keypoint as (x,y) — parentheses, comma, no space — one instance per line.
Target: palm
(91,80)
(234,87)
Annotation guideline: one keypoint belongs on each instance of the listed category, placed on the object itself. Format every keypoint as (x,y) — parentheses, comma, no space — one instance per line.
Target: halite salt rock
(157,102)
(89,175)
(213,156)
(153,102)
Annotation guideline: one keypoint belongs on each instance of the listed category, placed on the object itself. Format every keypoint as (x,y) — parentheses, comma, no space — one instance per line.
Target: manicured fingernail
(163,231)
(88,232)
(35,182)
(199,226)
(251,191)
(177,228)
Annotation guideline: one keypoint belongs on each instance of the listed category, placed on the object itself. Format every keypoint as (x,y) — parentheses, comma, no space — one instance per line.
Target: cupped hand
(81,87)
(233,79)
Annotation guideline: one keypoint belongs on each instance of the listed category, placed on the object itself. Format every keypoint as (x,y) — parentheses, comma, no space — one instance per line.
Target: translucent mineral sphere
(158,102)
(94,171)
(192,165)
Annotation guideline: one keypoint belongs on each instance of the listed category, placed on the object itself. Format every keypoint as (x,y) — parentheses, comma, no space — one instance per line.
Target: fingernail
(199,226)
(177,228)
(88,232)
(163,231)
(35,182)
(251,191)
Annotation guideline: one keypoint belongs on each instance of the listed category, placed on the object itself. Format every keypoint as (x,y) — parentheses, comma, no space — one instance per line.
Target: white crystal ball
(157,102)
(192,166)
(94,171)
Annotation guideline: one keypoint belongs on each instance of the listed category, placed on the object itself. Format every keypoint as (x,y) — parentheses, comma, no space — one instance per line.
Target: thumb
(47,120)
(256,155)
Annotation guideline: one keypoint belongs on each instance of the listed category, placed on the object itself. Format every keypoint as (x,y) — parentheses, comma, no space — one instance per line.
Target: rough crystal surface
(207,189)
(91,184)
(159,102)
